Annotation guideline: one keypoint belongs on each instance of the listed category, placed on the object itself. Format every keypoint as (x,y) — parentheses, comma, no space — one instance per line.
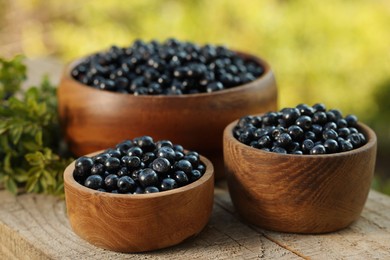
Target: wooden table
(36,227)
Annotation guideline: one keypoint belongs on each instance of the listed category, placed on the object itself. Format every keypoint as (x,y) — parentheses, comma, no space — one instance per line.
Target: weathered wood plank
(36,227)
(367,238)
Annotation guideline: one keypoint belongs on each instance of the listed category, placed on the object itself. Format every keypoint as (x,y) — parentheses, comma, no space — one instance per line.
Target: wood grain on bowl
(93,119)
(299,193)
(139,222)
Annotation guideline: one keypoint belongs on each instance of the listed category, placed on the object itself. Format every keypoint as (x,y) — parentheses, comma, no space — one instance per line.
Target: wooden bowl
(299,193)
(94,119)
(140,222)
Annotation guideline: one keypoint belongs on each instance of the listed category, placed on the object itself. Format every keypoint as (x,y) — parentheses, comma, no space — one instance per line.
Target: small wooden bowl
(299,193)
(141,222)
(93,119)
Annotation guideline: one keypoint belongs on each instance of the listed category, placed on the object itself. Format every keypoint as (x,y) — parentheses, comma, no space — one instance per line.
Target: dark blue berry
(168,184)
(83,166)
(148,158)
(126,185)
(304,122)
(331,146)
(184,165)
(101,158)
(192,158)
(135,151)
(114,153)
(329,134)
(123,171)
(194,175)
(112,164)
(265,142)
(139,190)
(305,110)
(284,140)
(319,107)
(167,153)
(307,145)
(351,120)
(318,149)
(162,143)
(161,165)
(94,182)
(345,145)
(131,162)
(319,118)
(110,182)
(290,115)
(151,189)
(180,177)
(354,139)
(97,169)
(279,150)
(295,132)
(147,177)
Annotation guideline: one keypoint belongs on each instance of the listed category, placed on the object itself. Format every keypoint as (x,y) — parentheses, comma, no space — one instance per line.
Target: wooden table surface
(36,227)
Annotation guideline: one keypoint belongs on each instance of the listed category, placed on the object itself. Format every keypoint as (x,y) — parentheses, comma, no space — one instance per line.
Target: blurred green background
(334,52)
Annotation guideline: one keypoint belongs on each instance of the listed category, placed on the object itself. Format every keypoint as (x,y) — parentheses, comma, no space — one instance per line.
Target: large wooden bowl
(94,119)
(299,193)
(140,222)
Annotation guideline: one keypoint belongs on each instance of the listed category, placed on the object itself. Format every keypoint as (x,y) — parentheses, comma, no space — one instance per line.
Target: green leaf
(49,178)
(38,138)
(7,163)
(44,183)
(21,175)
(31,183)
(31,146)
(10,185)
(3,127)
(16,133)
(35,159)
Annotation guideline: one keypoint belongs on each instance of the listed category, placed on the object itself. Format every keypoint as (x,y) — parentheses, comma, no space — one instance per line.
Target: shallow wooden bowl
(94,119)
(299,193)
(140,222)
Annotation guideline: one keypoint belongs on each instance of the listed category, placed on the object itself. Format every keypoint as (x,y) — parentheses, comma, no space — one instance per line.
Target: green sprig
(30,139)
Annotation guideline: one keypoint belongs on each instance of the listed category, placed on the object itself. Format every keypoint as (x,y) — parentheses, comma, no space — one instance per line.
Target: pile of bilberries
(301,130)
(139,166)
(169,68)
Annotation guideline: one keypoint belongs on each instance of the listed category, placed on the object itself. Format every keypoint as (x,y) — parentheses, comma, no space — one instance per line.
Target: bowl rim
(267,73)
(69,180)
(368,132)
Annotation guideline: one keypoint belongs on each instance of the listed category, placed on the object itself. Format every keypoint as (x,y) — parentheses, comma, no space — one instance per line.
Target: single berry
(331,146)
(126,184)
(161,165)
(151,189)
(148,177)
(94,182)
(167,153)
(180,177)
(194,175)
(83,166)
(168,184)
(110,182)
(183,165)
(112,164)
(97,169)
(318,149)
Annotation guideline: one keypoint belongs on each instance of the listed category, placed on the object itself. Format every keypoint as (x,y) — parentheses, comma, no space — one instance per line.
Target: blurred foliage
(334,52)
(29,133)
